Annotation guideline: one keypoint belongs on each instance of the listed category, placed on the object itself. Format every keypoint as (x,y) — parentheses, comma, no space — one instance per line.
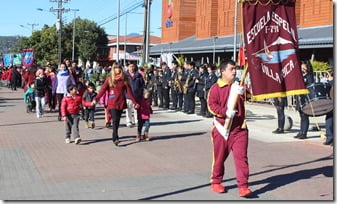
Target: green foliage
(320,66)
(88,37)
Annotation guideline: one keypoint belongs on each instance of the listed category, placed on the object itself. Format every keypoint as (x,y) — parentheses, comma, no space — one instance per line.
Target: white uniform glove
(240,90)
(230,113)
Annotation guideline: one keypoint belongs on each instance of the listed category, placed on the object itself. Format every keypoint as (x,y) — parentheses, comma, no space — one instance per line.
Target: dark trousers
(72,122)
(329,126)
(203,106)
(280,116)
(14,84)
(89,114)
(304,122)
(52,100)
(174,96)
(116,118)
(59,100)
(166,97)
(191,101)
(155,97)
(160,95)
(180,98)
(186,102)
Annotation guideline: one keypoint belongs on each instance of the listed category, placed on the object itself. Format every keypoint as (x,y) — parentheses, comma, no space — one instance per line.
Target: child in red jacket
(144,112)
(70,112)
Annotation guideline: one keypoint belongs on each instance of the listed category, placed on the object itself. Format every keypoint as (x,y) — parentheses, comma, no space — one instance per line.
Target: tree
(89,36)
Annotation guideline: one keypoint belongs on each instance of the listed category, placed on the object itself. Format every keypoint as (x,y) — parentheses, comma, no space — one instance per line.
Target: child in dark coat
(144,112)
(89,108)
(70,112)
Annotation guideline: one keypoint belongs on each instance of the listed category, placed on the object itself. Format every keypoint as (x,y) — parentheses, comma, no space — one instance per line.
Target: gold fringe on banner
(264,2)
(280,94)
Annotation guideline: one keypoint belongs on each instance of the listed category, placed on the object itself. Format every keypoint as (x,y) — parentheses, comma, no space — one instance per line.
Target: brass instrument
(186,83)
(177,84)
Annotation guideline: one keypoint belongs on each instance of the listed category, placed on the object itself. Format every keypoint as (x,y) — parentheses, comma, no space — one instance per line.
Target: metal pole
(118,19)
(59,19)
(235,30)
(145,30)
(148,32)
(33,25)
(74,27)
(126,23)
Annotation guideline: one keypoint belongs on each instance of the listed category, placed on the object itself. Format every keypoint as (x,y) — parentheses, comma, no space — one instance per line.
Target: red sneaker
(218,188)
(244,192)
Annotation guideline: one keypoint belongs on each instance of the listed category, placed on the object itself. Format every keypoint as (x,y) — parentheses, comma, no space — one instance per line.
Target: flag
(8,60)
(17,58)
(241,56)
(271,40)
(27,57)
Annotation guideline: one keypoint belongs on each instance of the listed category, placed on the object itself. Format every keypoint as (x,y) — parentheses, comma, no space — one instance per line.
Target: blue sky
(21,12)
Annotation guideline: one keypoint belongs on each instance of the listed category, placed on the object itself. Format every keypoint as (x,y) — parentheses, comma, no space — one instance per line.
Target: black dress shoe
(116,142)
(328,142)
(298,135)
(303,136)
(190,112)
(278,131)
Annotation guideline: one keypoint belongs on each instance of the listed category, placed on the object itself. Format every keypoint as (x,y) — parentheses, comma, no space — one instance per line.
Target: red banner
(27,57)
(271,47)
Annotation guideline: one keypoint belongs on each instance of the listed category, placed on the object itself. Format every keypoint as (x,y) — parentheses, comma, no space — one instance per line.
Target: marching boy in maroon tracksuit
(70,112)
(237,141)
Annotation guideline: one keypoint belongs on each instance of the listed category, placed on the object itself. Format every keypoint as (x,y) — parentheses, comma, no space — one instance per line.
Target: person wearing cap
(166,85)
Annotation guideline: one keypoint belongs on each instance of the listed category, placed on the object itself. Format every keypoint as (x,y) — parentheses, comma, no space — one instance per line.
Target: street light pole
(147,51)
(74,28)
(33,25)
(59,10)
(235,29)
(126,23)
(118,19)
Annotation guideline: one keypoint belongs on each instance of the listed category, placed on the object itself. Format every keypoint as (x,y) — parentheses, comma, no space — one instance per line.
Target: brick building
(189,27)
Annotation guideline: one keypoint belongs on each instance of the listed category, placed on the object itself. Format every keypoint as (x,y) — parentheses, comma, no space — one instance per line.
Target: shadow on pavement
(29,123)
(173,122)
(274,181)
(277,181)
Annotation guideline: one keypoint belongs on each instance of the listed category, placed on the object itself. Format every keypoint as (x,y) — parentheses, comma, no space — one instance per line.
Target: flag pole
(228,121)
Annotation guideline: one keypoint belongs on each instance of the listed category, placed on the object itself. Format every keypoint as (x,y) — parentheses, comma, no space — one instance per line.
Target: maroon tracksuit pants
(237,142)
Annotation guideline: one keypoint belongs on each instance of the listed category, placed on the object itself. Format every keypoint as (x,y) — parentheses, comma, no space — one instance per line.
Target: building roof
(132,40)
(312,37)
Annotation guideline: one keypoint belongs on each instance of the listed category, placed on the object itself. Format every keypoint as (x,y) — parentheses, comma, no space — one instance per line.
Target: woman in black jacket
(308,77)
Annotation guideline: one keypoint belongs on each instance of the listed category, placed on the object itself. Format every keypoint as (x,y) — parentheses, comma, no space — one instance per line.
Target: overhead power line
(131,8)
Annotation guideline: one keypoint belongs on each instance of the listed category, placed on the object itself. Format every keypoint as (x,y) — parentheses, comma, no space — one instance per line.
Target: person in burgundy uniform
(117,84)
(237,140)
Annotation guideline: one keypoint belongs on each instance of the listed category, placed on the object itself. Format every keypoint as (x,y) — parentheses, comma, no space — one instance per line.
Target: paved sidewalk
(36,164)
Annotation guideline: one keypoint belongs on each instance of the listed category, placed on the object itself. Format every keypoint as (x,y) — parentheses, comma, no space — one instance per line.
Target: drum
(318,102)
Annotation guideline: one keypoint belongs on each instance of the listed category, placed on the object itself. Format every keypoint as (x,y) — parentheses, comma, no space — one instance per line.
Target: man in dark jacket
(166,84)
(137,85)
